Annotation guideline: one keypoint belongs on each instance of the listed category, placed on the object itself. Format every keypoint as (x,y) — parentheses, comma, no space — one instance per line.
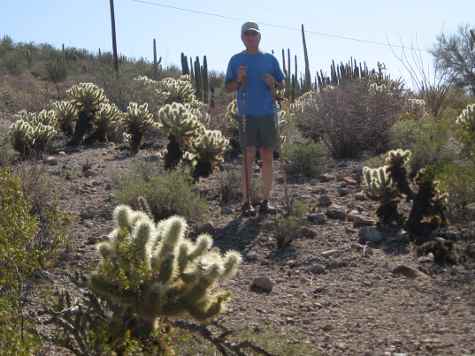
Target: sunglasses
(251,33)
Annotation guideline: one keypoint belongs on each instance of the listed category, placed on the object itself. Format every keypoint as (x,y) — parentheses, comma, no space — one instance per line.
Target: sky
(86,24)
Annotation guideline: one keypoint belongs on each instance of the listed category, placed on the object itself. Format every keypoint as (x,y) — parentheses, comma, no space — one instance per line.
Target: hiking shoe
(266,208)
(248,210)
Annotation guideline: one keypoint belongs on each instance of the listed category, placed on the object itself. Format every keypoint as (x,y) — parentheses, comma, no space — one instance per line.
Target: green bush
(458,180)
(431,141)
(288,227)
(167,194)
(229,186)
(308,159)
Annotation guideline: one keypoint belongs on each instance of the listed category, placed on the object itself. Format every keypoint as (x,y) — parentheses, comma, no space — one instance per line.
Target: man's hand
(270,81)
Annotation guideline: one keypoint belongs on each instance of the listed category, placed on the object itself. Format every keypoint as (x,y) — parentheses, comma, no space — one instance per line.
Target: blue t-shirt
(254,97)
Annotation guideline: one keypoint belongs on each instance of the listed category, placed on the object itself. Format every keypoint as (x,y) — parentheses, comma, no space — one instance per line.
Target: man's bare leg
(251,157)
(267,158)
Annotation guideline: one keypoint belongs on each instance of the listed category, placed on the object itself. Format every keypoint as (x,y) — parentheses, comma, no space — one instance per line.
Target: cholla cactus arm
(208,150)
(137,119)
(179,121)
(86,97)
(466,121)
(66,113)
(397,162)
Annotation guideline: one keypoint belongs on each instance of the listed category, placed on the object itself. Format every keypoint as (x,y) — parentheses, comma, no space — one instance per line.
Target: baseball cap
(250,26)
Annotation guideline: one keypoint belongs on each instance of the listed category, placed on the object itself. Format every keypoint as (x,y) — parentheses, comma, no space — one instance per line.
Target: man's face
(251,39)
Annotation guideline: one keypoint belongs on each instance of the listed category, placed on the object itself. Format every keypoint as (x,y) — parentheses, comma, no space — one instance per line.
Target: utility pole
(114,41)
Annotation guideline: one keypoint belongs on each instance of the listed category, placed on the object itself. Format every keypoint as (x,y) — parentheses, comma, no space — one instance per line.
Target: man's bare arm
(232,86)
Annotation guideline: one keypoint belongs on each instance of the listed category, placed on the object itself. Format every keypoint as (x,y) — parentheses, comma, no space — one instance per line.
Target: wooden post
(114,40)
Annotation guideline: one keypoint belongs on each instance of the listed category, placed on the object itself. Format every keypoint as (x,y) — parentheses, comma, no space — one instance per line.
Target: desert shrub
(306,159)
(53,223)
(229,185)
(458,180)
(431,141)
(167,194)
(7,153)
(466,129)
(288,227)
(352,117)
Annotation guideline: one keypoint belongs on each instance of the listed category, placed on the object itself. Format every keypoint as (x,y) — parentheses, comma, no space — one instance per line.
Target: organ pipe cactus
(206,152)
(148,271)
(136,120)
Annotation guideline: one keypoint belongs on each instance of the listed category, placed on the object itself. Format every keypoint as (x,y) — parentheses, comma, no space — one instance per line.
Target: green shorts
(261,131)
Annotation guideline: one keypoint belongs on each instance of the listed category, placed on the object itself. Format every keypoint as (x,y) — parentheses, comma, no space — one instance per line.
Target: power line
(317,33)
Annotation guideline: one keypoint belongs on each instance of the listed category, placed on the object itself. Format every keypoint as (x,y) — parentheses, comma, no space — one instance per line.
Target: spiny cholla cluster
(150,270)
(180,121)
(209,146)
(67,114)
(171,90)
(467,118)
(136,120)
(32,132)
(389,183)
(304,102)
(416,107)
(86,97)
(377,89)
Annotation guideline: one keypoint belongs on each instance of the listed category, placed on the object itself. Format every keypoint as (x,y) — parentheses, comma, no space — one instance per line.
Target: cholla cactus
(44,117)
(86,97)
(149,270)
(30,133)
(390,183)
(137,120)
(206,152)
(176,91)
(379,186)
(466,121)
(377,89)
(429,206)
(181,125)
(107,117)
(467,118)
(67,114)
(416,107)
(397,162)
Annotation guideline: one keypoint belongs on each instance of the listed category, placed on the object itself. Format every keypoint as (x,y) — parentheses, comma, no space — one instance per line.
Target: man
(255,76)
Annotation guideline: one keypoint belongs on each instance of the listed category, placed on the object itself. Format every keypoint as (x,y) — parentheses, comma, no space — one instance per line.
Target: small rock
(317,218)
(327,327)
(252,256)
(324,200)
(52,161)
(350,180)
(329,253)
(342,191)
(206,228)
(360,196)
(326,177)
(407,271)
(336,212)
(62,153)
(341,345)
(308,233)
(317,268)
(429,258)
(262,284)
(370,234)
(91,240)
(360,219)
(470,250)
(227,210)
